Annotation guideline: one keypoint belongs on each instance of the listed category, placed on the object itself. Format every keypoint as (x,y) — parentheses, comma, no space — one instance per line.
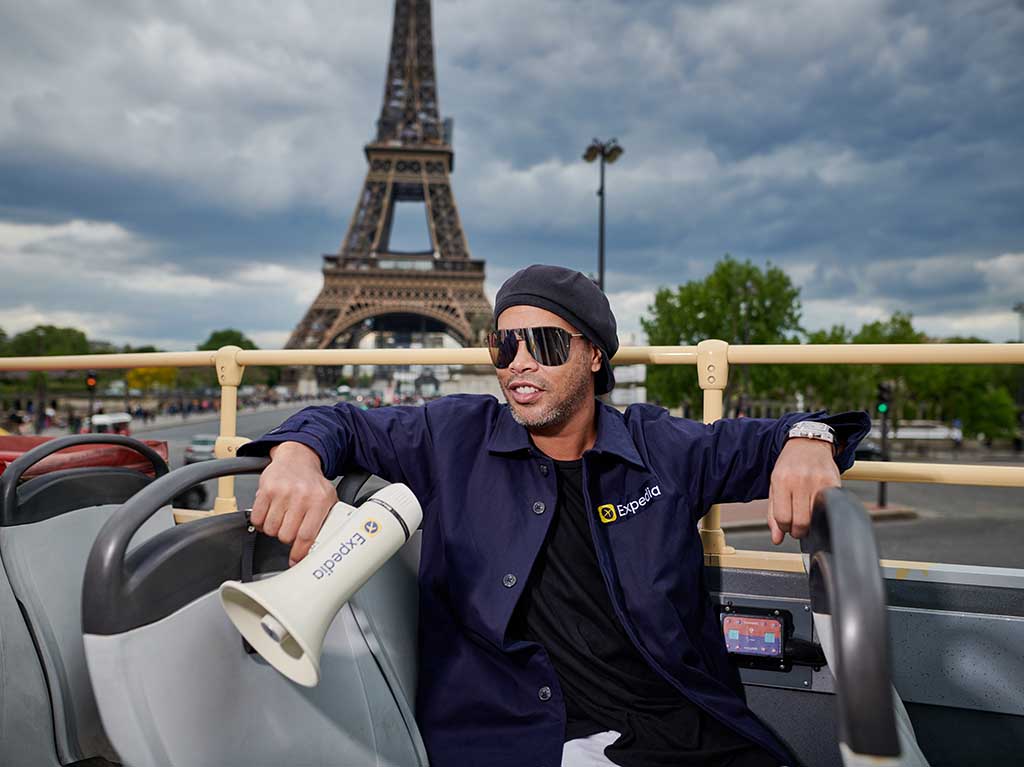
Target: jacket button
(544,469)
(544,693)
(509,580)
(539,507)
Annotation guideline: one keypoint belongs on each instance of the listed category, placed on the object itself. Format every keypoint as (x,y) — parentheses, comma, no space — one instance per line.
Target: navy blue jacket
(485,700)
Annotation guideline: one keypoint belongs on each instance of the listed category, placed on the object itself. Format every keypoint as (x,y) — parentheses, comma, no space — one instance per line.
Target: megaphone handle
(247,561)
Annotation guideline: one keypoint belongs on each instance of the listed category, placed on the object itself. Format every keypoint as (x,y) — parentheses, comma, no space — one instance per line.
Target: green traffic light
(883,408)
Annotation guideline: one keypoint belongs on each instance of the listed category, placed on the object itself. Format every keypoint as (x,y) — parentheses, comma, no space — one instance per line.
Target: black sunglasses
(548,345)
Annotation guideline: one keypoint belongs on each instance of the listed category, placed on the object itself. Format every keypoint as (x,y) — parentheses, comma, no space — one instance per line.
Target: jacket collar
(613,438)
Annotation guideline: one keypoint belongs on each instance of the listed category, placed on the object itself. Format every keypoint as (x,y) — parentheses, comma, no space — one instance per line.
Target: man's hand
(804,467)
(293,498)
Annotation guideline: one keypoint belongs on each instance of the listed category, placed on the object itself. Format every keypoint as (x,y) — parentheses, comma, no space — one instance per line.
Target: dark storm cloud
(870,148)
(165,213)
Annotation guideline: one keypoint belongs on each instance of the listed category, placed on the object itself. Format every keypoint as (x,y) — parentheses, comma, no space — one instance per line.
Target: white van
(107,423)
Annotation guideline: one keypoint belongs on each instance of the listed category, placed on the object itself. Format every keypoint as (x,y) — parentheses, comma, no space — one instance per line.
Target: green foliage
(738,302)
(226,337)
(992,413)
(978,395)
(834,387)
(48,340)
(232,337)
(855,386)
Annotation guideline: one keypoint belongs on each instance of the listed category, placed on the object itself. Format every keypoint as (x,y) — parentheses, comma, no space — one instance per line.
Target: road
(955,523)
(251,425)
(959,524)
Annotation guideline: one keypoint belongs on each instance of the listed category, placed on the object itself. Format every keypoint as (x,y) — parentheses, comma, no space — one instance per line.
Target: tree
(148,379)
(46,340)
(226,337)
(979,396)
(898,329)
(4,342)
(740,303)
(833,387)
(233,337)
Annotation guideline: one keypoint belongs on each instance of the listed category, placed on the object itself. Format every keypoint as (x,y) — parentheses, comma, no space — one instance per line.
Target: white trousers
(589,752)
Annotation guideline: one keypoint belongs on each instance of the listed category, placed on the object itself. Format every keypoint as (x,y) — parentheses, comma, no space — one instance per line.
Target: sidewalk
(754,515)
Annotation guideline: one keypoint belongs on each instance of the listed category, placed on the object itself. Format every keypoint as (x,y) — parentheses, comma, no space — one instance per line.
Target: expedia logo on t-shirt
(609,512)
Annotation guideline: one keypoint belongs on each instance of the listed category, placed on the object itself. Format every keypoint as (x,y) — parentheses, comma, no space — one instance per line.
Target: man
(563,612)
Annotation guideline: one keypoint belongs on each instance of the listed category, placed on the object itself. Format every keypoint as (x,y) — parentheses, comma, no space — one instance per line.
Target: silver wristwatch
(813,430)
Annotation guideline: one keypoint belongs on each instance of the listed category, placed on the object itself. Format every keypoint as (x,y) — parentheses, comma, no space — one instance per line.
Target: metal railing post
(713,375)
(229,374)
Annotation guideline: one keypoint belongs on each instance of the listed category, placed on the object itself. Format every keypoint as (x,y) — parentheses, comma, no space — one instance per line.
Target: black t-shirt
(606,683)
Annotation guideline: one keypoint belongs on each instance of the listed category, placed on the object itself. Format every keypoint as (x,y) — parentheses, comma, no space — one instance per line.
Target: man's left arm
(749,458)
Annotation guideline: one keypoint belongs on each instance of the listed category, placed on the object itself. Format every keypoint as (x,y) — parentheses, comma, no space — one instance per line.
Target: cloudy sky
(172,167)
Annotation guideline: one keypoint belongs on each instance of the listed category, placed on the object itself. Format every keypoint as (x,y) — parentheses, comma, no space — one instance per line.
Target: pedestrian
(957,435)
(563,612)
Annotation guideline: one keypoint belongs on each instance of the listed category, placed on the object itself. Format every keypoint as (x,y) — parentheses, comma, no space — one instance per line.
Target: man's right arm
(294,493)
(293,498)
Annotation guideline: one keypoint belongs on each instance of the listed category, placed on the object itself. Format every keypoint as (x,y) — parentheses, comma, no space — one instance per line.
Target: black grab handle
(358,484)
(846,583)
(25,461)
(105,569)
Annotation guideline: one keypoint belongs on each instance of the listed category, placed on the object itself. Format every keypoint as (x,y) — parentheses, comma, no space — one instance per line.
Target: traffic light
(90,380)
(884,398)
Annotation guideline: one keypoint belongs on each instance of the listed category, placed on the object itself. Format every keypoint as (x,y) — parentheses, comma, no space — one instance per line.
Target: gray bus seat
(175,685)
(48,714)
(387,606)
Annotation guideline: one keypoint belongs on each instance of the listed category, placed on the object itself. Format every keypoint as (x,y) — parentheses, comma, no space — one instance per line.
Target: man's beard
(560,412)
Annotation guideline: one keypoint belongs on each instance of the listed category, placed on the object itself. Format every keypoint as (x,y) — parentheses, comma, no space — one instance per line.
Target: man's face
(542,397)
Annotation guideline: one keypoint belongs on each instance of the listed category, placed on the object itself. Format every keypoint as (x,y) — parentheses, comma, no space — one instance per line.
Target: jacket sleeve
(737,455)
(394,442)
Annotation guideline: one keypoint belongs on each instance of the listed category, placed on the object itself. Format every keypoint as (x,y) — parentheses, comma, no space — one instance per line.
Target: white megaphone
(286,617)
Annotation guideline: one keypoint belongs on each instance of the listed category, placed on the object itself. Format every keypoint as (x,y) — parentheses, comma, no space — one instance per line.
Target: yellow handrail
(778,354)
(712,359)
(877,354)
(938,473)
(110,361)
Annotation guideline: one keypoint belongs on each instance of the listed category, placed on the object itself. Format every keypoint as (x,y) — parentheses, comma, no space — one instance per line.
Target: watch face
(812,431)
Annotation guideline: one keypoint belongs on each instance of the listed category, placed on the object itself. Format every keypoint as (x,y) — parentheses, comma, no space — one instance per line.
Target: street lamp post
(607,151)
(40,414)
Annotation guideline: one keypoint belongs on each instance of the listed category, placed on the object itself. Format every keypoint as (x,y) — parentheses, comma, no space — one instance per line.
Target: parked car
(200,448)
(868,450)
(193,498)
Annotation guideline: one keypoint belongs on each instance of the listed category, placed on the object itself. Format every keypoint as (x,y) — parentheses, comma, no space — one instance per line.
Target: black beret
(576,299)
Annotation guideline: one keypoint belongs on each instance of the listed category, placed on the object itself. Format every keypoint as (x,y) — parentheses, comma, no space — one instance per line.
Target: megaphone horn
(286,617)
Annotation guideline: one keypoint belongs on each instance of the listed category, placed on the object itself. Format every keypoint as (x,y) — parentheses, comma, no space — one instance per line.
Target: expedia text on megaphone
(285,617)
(326,570)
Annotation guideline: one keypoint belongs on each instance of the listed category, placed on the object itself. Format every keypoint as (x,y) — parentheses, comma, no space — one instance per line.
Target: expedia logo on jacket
(610,512)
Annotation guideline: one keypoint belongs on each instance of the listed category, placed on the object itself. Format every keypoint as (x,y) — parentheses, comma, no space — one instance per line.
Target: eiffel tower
(368,287)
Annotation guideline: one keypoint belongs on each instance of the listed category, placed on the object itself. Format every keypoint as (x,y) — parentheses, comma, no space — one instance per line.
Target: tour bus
(115,647)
